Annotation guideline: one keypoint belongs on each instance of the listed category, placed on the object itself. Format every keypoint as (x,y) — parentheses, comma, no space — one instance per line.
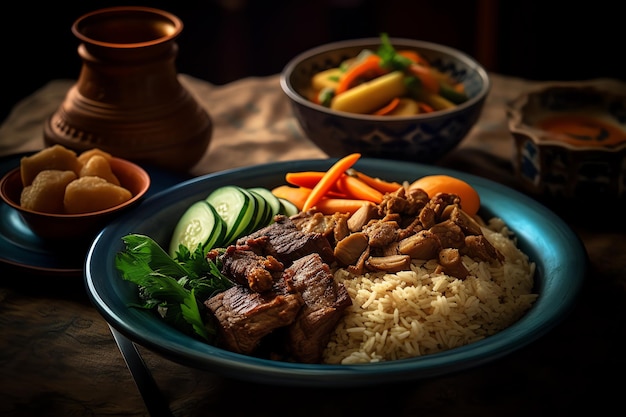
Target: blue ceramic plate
(24,250)
(560,257)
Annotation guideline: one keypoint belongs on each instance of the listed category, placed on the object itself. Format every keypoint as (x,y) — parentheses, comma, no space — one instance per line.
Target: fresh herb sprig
(173,287)
(390,58)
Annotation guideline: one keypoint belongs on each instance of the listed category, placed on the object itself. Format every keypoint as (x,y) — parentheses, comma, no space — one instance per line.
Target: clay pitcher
(128,100)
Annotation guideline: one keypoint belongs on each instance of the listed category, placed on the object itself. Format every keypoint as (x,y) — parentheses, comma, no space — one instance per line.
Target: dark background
(224,40)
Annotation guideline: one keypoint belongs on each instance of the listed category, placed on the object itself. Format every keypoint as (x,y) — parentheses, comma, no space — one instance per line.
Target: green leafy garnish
(174,288)
(390,59)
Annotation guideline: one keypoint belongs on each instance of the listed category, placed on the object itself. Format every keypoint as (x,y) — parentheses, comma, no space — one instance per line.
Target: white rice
(414,313)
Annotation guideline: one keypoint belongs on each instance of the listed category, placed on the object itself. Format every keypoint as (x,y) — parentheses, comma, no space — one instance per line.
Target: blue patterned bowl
(570,139)
(423,138)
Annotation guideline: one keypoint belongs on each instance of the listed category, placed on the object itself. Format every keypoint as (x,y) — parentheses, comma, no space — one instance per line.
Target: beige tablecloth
(252,122)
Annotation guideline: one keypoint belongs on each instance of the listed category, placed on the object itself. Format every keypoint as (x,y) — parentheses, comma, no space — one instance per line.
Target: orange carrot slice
(428,80)
(425,108)
(339,205)
(307,179)
(413,56)
(376,183)
(388,108)
(368,68)
(297,195)
(330,177)
(358,190)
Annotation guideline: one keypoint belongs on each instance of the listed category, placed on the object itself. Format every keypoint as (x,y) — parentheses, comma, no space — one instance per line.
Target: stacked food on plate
(336,267)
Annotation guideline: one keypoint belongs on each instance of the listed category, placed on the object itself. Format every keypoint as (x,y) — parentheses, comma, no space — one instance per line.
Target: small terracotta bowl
(570,139)
(83,226)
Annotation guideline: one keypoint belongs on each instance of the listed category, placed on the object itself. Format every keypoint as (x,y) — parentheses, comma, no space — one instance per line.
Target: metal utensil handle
(152,397)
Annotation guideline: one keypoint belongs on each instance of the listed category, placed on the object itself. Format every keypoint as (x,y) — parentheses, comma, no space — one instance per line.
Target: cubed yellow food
(91,193)
(99,166)
(54,157)
(47,191)
(86,155)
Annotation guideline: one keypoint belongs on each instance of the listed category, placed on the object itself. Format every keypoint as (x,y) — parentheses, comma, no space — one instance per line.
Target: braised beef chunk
(465,222)
(244,317)
(381,233)
(249,269)
(389,263)
(350,249)
(440,202)
(422,245)
(362,216)
(284,241)
(450,235)
(450,263)
(408,223)
(324,304)
(333,227)
(478,247)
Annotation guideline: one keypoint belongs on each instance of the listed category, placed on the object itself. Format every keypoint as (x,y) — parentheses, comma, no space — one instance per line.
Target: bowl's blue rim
(563,257)
(290,91)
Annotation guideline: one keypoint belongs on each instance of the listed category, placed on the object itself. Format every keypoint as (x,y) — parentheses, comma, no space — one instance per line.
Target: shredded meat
(408,224)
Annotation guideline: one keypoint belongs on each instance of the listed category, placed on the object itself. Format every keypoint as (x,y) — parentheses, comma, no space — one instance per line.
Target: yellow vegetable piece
(55,157)
(99,166)
(436,101)
(91,193)
(326,79)
(47,190)
(368,97)
(86,155)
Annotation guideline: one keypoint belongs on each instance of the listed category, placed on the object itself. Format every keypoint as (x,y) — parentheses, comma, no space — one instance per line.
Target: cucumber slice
(200,224)
(271,200)
(263,212)
(288,208)
(236,206)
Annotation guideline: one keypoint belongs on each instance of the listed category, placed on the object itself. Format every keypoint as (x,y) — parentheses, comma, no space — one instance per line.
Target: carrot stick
(376,183)
(330,177)
(414,56)
(429,81)
(339,205)
(369,67)
(388,108)
(358,190)
(425,108)
(297,195)
(308,179)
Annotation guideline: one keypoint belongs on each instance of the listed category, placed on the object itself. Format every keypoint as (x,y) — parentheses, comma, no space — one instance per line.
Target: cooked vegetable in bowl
(357,95)
(387,82)
(64,196)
